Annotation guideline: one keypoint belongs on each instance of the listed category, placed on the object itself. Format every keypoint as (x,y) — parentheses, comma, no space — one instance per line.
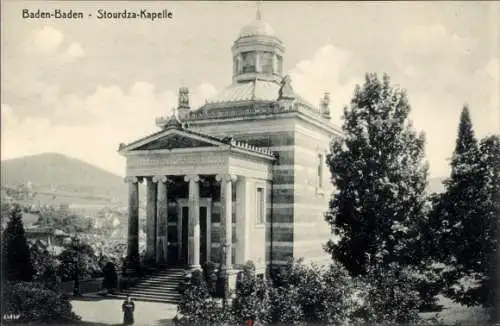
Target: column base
(194,268)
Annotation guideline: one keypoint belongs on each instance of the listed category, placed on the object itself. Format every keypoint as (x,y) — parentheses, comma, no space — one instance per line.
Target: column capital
(160,178)
(227,177)
(132,179)
(191,177)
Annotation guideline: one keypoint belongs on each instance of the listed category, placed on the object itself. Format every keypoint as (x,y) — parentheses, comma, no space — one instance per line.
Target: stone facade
(241,178)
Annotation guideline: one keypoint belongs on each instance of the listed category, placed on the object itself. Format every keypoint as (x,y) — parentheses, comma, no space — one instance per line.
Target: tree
(378,171)
(464,219)
(77,258)
(490,158)
(17,260)
(44,263)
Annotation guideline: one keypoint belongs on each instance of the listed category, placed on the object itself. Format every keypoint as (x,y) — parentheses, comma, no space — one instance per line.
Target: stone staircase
(161,286)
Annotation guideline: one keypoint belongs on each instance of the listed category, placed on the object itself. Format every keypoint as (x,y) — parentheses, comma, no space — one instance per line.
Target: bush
(197,307)
(388,295)
(81,257)
(45,264)
(323,294)
(284,305)
(210,276)
(35,303)
(252,297)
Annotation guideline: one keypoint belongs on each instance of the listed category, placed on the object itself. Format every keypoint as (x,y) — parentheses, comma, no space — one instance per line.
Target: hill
(54,175)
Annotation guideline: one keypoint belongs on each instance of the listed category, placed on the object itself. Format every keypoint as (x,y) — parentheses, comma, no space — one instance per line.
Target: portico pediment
(170,140)
(174,141)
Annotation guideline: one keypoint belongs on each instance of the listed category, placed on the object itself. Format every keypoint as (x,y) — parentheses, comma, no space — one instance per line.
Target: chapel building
(243,177)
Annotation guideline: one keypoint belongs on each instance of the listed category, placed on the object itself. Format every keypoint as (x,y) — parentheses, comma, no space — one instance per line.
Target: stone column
(161,220)
(226,182)
(194,221)
(150,221)
(133,259)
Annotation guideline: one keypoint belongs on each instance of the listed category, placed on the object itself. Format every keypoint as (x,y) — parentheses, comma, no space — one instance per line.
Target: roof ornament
(258,15)
(325,105)
(286,90)
(173,122)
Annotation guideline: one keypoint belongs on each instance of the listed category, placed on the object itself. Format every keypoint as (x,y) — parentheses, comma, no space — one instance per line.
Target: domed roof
(257,27)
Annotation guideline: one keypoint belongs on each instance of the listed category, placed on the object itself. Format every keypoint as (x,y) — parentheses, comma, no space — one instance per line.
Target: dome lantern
(257,53)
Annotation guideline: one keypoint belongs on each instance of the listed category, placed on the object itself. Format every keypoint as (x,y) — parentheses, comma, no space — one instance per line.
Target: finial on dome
(258,15)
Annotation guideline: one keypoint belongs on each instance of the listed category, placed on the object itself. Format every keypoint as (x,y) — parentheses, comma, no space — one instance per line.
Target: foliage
(210,276)
(313,294)
(378,171)
(35,303)
(197,307)
(44,263)
(252,299)
(62,218)
(388,296)
(308,294)
(463,220)
(77,257)
(17,257)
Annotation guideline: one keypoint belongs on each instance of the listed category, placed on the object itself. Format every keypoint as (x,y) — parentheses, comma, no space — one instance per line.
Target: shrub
(35,303)
(284,305)
(210,276)
(81,257)
(197,307)
(252,297)
(388,295)
(323,294)
(45,264)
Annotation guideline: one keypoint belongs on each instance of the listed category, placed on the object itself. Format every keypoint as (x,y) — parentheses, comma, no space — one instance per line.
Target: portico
(198,206)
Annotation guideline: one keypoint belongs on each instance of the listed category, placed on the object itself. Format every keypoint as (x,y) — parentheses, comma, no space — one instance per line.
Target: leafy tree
(378,171)
(64,219)
(44,263)
(464,218)
(17,259)
(77,257)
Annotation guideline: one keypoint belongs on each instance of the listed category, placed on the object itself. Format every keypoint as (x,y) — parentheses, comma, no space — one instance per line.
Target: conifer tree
(380,177)
(17,262)
(463,219)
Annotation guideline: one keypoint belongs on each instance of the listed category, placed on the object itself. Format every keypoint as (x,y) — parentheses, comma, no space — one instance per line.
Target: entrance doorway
(205,230)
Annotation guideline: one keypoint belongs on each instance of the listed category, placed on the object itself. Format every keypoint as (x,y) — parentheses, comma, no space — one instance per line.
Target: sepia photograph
(250,163)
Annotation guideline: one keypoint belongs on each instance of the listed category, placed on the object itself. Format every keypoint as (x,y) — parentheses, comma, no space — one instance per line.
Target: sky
(81,87)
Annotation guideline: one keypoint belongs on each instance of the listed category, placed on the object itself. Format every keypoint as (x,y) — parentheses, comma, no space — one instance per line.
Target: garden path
(104,311)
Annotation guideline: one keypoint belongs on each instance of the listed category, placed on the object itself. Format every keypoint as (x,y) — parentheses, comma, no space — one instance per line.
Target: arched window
(248,62)
(266,62)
